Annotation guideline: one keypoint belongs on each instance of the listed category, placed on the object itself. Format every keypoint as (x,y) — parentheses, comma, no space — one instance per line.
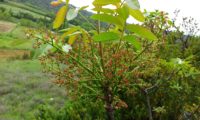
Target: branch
(143,51)
(77,61)
(87,20)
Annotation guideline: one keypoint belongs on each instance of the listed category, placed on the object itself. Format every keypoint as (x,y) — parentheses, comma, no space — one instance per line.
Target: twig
(142,51)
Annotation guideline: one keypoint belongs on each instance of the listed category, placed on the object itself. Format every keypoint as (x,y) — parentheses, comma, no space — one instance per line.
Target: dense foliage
(121,71)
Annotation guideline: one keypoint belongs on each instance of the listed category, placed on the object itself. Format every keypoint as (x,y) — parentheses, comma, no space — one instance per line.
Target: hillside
(44,4)
(43,8)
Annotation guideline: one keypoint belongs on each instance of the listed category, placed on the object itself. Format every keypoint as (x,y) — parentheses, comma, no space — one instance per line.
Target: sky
(188,8)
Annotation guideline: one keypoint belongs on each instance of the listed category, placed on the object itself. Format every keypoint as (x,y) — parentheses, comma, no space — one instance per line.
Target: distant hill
(44,4)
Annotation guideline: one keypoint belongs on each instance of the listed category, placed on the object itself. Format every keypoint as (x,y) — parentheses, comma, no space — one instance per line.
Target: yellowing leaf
(72,39)
(56,3)
(60,17)
(69,31)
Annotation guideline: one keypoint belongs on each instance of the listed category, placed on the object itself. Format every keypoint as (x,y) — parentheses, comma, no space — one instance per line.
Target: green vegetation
(32,9)
(24,88)
(13,37)
(96,66)
(127,71)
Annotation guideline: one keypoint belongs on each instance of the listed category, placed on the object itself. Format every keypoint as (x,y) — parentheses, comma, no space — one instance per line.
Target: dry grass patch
(6,26)
(5,54)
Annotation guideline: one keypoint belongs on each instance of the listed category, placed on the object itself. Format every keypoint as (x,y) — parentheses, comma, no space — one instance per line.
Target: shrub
(27,23)
(120,69)
(2,9)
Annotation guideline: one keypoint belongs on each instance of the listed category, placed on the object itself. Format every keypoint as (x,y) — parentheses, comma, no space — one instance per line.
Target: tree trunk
(108,101)
(149,105)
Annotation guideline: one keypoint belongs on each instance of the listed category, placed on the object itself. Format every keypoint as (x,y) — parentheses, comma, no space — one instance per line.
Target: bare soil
(5,54)
(6,26)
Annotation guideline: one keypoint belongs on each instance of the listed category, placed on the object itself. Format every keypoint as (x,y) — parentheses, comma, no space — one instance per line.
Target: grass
(15,40)
(9,42)
(23,85)
(14,37)
(24,88)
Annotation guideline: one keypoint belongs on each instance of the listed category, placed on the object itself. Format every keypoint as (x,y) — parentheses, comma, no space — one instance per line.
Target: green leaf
(141,31)
(83,8)
(105,2)
(123,12)
(137,14)
(69,32)
(134,4)
(69,29)
(104,10)
(106,36)
(60,17)
(72,13)
(108,18)
(132,39)
(72,34)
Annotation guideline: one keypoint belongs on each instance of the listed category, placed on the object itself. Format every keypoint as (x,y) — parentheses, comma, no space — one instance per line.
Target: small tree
(115,67)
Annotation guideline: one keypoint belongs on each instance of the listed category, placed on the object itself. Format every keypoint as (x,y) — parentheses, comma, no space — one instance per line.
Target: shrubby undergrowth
(121,71)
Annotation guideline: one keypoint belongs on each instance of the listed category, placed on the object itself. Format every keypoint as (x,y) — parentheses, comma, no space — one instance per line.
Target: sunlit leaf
(141,31)
(105,2)
(69,31)
(106,36)
(134,4)
(104,10)
(108,18)
(60,17)
(123,12)
(72,39)
(83,8)
(137,14)
(72,13)
(85,36)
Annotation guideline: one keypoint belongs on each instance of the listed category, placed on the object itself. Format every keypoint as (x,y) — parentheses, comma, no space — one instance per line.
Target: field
(24,87)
